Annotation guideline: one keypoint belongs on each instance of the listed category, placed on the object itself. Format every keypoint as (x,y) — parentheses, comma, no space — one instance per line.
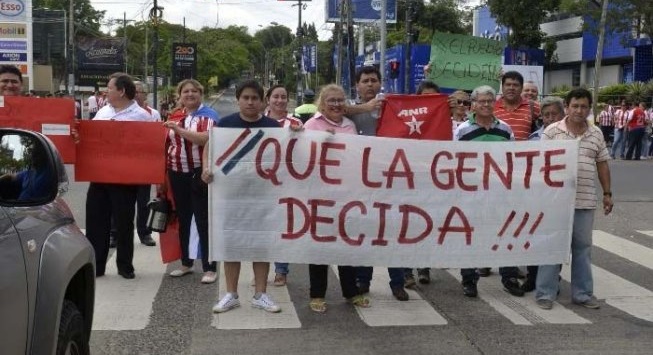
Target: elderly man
(530,91)
(592,158)
(484,126)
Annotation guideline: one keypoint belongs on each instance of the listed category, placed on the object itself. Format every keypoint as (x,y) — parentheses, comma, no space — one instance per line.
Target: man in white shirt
(92,104)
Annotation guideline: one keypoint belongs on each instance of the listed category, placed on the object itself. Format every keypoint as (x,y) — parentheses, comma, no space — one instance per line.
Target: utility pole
(407,48)
(599,54)
(382,29)
(351,55)
(147,49)
(154,16)
(124,35)
(71,46)
(339,50)
(299,56)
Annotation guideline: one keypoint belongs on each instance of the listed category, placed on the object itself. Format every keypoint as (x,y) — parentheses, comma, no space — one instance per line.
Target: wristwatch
(607,194)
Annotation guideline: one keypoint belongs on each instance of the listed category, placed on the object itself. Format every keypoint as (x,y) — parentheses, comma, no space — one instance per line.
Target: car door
(14,310)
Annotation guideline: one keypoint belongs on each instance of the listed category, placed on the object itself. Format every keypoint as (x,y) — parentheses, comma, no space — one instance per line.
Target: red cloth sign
(416,117)
(53,117)
(169,242)
(121,152)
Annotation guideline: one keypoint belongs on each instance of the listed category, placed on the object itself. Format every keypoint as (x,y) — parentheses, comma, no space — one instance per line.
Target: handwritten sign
(121,152)
(50,116)
(465,62)
(314,197)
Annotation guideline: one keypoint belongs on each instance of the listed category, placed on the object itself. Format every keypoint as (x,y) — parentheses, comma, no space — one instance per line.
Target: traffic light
(394,69)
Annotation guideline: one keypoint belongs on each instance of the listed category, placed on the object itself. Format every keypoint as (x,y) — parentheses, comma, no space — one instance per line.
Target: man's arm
(374,104)
(604,178)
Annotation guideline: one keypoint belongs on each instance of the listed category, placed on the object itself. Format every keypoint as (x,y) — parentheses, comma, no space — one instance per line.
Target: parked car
(47,266)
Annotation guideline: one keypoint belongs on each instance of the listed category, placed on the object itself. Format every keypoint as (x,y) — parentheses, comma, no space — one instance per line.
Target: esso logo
(184,50)
(11,7)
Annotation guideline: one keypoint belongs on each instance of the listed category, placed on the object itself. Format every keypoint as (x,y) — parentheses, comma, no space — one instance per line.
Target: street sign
(364,11)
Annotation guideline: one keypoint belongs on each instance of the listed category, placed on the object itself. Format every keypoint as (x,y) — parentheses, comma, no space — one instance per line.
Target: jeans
(582,286)
(506,272)
(646,144)
(619,144)
(364,276)
(281,268)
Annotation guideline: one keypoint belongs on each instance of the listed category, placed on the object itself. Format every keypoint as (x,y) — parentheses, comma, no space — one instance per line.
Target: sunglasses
(464,102)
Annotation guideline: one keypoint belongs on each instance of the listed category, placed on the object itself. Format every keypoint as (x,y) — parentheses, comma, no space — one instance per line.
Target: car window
(26,171)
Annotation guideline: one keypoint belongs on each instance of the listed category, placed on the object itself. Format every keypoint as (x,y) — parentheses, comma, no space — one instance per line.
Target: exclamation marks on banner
(520,228)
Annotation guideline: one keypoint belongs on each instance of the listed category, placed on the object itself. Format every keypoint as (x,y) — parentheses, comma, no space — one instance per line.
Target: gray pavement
(181,321)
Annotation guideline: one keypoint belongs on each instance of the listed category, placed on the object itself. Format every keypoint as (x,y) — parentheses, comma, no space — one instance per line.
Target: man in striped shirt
(484,126)
(592,158)
(517,112)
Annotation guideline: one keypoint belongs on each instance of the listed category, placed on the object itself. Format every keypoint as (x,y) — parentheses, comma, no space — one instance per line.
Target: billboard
(363,10)
(104,54)
(184,61)
(14,10)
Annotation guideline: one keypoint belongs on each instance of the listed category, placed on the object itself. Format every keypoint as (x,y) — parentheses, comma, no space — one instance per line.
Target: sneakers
(511,286)
(409,281)
(265,303)
(424,276)
(470,289)
(591,303)
(226,303)
(544,303)
(400,293)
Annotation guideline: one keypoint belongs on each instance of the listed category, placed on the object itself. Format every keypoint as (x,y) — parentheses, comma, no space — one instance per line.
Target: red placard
(121,152)
(416,117)
(53,117)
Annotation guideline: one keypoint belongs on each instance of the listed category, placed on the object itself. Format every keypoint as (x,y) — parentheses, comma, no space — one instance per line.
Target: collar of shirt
(345,121)
(472,119)
(562,125)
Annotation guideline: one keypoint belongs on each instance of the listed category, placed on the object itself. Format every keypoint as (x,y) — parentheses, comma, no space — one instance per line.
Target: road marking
(386,311)
(247,317)
(626,249)
(646,233)
(520,310)
(122,304)
(619,293)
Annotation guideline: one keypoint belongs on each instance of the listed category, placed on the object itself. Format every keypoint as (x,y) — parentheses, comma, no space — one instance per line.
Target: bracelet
(607,194)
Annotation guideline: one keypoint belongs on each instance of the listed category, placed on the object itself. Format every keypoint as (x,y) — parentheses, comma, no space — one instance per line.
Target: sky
(221,13)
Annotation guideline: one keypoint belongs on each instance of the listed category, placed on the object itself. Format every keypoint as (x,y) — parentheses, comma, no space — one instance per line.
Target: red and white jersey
(287,121)
(184,155)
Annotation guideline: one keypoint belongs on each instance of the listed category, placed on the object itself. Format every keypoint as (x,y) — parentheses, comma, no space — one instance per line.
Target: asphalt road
(156,314)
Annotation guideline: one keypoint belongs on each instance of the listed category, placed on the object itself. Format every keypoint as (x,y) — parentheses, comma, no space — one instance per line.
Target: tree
(523,18)
(623,17)
(87,19)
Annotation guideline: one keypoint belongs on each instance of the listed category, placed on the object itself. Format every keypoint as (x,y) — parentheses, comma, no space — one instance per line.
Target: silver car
(47,266)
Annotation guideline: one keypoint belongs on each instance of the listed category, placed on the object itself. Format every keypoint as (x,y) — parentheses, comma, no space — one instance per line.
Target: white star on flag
(414,125)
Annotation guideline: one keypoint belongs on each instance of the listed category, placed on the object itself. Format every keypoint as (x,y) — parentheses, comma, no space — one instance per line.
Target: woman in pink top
(331,112)
(330,117)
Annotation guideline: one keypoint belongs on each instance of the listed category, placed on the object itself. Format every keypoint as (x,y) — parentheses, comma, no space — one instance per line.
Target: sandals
(280,280)
(359,301)
(318,305)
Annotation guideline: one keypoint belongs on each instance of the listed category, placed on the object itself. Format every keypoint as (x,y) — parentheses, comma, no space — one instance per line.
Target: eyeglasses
(484,102)
(10,81)
(335,102)
(464,102)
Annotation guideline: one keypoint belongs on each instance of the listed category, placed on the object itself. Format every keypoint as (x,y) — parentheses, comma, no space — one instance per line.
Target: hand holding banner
(121,152)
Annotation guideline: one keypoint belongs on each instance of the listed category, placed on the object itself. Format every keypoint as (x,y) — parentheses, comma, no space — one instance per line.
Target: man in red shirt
(517,112)
(636,129)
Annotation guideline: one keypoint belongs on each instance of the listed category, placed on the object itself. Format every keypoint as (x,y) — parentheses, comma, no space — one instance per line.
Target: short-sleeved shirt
(620,118)
(592,150)
(234,121)
(365,122)
(183,154)
(606,118)
(519,119)
(321,123)
(132,113)
(471,131)
(286,121)
(637,118)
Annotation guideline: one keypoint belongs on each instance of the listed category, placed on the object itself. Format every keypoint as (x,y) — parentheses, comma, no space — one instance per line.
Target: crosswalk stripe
(647,233)
(247,317)
(122,304)
(626,249)
(520,310)
(619,292)
(386,311)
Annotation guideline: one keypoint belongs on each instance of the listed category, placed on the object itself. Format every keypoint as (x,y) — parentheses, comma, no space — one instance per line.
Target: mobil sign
(13,10)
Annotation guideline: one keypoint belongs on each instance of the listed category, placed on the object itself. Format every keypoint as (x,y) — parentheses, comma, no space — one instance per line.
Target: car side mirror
(29,169)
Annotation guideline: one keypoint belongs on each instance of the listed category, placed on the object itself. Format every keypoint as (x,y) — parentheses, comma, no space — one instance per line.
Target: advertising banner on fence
(316,197)
(465,62)
(121,152)
(53,117)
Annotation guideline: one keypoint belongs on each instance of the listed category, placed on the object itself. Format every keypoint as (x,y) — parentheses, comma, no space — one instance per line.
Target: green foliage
(523,18)
(87,19)
(613,93)
(621,16)
(637,92)
(560,91)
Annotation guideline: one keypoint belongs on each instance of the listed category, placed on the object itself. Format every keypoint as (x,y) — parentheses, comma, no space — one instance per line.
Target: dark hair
(367,70)
(250,84)
(578,93)
(6,68)
(124,82)
(427,84)
(270,90)
(512,75)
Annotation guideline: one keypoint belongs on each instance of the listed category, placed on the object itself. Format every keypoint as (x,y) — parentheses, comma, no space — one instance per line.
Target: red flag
(416,117)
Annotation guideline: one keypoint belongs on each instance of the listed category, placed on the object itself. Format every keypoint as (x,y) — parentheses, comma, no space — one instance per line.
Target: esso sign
(11,7)
(186,50)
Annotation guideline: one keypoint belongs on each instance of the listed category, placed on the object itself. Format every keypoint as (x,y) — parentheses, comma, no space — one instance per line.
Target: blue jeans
(582,285)
(281,268)
(619,144)
(364,276)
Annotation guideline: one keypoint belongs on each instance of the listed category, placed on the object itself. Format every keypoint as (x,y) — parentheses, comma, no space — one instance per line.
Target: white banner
(314,197)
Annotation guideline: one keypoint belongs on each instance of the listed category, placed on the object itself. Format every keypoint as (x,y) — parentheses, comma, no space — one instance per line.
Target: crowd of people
(516,115)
